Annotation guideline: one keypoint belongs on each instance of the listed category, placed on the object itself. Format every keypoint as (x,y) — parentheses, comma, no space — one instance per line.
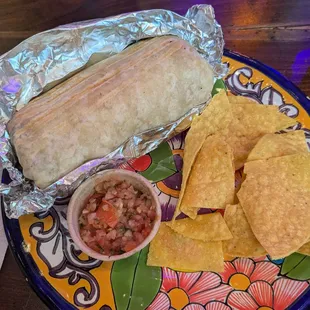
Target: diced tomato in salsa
(117,218)
(146,231)
(130,245)
(106,213)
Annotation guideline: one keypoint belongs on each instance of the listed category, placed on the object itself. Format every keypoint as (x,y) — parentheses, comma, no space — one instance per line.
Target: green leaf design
(162,165)
(134,284)
(163,156)
(218,85)
(296,266)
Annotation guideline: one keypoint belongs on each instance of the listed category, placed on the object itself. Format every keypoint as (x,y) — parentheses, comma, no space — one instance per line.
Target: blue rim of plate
(29,268)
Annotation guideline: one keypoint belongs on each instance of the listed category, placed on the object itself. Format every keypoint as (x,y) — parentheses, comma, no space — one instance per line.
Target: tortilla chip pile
(267,214)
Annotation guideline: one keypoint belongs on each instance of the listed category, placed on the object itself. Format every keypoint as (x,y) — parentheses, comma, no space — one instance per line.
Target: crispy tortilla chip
(240,99)
(211,183)
(169,249)
(276,145)
(207,227)
(190,212)
(275,197)
(250,123)
(305,249)
(244,243)
(216,116)
(193,142)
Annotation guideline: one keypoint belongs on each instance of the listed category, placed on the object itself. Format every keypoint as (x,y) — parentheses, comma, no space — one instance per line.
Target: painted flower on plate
(137,164)
(191,291)
(241,272)
(264,296)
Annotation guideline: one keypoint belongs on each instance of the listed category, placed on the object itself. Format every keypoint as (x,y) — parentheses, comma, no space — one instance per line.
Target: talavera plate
(65,278)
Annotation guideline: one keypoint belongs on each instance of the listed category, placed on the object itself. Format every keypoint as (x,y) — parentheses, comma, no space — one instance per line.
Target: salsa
(117,218)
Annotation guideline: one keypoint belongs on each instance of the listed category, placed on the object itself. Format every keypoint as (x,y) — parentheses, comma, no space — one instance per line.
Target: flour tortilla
(150,84)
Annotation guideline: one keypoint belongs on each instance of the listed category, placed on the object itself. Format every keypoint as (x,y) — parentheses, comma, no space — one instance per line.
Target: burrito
(149,84)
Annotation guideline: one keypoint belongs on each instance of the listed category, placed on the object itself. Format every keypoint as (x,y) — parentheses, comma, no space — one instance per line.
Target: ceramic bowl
(82,194)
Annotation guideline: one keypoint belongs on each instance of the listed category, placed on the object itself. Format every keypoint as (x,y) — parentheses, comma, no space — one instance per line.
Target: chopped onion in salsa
(117,218)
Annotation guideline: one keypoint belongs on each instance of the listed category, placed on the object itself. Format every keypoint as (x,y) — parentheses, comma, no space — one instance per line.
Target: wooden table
(272,31)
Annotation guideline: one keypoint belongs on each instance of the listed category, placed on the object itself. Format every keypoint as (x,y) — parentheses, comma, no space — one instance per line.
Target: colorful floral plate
(65,278)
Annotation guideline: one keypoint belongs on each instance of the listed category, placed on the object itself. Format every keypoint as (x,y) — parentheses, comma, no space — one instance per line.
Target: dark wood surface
(275,32)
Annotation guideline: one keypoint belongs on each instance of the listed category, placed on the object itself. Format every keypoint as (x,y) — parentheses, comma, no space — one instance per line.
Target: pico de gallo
(117,218)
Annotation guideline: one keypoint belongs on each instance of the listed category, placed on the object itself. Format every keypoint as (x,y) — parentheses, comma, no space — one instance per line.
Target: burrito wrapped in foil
(48,58)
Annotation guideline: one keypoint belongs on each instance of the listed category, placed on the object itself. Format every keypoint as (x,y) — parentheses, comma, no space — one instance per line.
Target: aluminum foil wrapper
(46,59)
